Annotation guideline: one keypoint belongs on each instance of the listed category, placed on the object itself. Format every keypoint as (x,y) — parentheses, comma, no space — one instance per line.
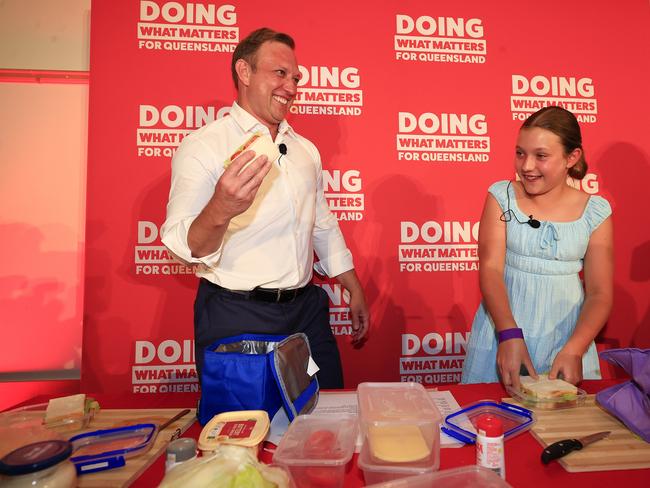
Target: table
(523,466)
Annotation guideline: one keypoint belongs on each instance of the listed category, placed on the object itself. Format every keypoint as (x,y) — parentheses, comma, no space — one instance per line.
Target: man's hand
(236,189)
(510,356)
(233,194)
(359,315)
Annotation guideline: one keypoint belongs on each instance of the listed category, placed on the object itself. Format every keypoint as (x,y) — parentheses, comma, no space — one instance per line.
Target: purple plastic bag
(630,401)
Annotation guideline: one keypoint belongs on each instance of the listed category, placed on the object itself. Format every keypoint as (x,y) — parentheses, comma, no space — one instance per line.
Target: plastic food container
(316,449)
(461,425)
(34,415)
(463,477)
(400,424)
(375,471)
(547,404)
(247,428)
(42,464)
(179,451)
(106,449)
(26,425)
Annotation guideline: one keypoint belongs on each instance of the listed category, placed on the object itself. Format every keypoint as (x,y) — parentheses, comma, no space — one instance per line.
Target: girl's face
(540,160)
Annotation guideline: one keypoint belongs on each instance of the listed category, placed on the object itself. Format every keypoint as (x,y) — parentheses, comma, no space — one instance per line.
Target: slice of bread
(546,389)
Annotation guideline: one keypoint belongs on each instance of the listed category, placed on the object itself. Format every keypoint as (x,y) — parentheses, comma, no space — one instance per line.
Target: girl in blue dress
(536,235)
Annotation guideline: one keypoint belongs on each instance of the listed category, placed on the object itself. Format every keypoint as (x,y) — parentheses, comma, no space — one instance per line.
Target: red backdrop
(415,108)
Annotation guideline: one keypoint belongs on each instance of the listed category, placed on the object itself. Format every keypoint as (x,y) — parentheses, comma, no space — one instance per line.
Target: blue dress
(544,289)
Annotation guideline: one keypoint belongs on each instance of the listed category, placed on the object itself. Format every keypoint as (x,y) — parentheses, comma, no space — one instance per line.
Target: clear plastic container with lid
(564,401)
(104,449)
(375,471)
(42,464)
(317,448)
(27,425)
(180,451)
(400,424)
(463,477)
(462,425)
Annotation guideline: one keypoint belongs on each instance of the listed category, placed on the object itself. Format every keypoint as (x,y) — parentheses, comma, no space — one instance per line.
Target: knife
(562,448)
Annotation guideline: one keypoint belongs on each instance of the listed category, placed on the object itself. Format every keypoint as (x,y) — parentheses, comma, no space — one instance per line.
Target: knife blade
(564,447)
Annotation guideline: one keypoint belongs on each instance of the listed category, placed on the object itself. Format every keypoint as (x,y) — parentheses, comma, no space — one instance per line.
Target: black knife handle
(559,449)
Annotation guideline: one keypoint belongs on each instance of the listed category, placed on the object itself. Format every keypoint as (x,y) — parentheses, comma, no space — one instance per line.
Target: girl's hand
(568,365)
(510,357)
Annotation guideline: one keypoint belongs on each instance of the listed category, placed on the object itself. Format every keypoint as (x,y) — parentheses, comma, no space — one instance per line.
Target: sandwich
(260,144)
(65,409)
(71,409)
(547,389)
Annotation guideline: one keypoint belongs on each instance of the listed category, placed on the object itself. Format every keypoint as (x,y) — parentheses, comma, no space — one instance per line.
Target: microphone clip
(534,223)
(282,147)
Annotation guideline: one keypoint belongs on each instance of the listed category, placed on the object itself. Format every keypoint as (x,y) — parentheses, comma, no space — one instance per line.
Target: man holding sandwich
(252,224)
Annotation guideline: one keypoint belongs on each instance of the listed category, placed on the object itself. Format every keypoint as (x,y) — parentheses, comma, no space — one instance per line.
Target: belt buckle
(278,296)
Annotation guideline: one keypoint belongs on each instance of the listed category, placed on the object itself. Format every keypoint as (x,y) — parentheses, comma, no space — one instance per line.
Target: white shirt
(271,244)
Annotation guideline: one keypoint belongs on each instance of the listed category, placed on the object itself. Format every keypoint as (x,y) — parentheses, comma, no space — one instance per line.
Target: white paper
(312,367)
(446,404)
(345,403)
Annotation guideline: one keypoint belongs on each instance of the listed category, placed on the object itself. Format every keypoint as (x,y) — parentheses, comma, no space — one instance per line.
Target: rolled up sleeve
(192,185)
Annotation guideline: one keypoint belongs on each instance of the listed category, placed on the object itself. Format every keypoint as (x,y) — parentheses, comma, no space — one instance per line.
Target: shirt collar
(249,123)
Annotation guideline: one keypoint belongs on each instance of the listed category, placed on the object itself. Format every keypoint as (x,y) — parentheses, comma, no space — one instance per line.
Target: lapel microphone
(509,214)
(282,147)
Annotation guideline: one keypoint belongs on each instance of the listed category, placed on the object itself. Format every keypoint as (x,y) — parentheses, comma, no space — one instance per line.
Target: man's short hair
(248,47)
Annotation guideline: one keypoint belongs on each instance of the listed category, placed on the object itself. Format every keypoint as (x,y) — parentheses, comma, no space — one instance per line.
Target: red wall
(459,68)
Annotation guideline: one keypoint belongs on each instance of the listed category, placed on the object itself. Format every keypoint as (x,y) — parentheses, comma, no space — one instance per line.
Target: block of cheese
(397,443)
(68,407)
(546,389)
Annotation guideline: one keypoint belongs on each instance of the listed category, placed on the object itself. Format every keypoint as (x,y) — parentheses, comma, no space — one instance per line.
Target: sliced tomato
(320,444)
(320,477)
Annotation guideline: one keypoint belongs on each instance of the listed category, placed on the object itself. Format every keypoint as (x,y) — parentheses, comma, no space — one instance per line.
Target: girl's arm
(492,253)
(598,279)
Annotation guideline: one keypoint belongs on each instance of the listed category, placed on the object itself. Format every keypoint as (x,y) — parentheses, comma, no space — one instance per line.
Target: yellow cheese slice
(397,443)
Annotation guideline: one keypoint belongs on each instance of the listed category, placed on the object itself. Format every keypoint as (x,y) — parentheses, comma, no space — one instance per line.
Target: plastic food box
(463,477)
(26,425)
(547,404)
(34,415)
(375,471)
(106,449)
(400,424)
(461,425)
(317,448)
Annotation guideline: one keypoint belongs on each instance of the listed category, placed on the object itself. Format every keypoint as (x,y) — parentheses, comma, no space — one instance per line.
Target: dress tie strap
(549,235)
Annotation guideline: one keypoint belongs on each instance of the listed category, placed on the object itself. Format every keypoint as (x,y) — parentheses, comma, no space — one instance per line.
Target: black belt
(273,295)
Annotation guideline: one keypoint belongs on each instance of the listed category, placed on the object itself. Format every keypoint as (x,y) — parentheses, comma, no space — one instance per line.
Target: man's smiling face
(270,85)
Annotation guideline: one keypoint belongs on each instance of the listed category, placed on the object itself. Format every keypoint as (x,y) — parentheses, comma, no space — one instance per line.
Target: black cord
(509,214)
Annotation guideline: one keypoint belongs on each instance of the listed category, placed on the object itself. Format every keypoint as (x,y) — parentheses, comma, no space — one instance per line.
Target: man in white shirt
(253,234)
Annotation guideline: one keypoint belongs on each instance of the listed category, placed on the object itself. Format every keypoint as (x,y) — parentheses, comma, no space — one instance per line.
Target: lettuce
(229,467)
(250,477)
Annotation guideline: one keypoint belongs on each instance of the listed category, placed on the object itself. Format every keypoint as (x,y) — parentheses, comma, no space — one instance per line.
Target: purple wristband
(514,333)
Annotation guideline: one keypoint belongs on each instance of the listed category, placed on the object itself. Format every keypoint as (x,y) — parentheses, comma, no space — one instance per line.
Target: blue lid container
(461,425)
(35,457)
(109,448)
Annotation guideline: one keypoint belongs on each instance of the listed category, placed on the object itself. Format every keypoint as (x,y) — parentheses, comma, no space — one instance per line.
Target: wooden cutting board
(135,466)
(621,450)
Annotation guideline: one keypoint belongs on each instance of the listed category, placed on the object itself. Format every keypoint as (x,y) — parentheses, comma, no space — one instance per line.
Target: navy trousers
(219,313)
